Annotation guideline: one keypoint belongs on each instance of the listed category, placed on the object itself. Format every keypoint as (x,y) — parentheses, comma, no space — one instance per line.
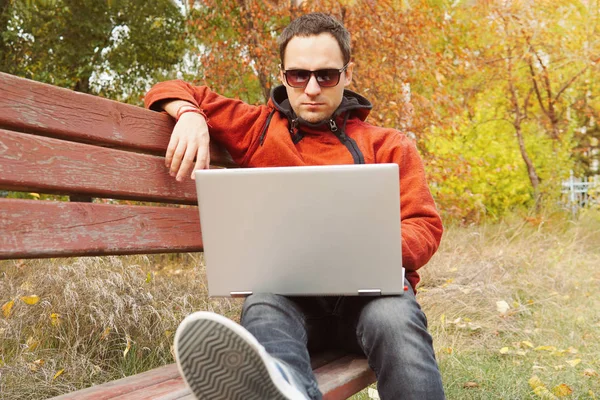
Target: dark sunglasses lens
(328,77)
(297,77)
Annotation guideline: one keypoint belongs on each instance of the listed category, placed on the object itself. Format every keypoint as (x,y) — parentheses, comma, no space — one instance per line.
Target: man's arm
(232,123)
(190,139)
(421,223)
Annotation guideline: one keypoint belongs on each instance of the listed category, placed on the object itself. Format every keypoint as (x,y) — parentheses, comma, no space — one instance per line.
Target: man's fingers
(177,158)
(187,162)
(171,150)
(202,160)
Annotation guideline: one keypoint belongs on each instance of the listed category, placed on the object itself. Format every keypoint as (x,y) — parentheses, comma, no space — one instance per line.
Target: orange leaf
(562,390)
(590,372)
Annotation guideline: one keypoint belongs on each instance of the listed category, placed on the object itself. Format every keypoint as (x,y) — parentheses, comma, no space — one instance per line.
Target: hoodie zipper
(295,133)
(350,144)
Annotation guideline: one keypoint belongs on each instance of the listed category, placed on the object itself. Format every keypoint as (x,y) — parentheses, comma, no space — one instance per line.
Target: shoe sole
(218,363)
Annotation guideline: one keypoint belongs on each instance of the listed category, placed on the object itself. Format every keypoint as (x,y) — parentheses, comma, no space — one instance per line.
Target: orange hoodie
(272,135)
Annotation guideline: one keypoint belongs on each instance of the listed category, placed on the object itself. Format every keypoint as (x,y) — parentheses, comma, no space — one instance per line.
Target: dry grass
(546,272)
(98,319)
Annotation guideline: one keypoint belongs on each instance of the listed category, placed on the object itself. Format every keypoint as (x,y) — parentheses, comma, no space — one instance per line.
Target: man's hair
(314,24)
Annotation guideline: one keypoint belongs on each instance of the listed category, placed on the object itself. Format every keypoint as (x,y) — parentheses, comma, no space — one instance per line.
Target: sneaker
(221,360)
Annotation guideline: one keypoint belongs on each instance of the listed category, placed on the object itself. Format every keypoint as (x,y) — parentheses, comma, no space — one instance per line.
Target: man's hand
(189,140)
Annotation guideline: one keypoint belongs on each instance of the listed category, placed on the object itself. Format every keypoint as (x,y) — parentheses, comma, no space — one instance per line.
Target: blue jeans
(390,330)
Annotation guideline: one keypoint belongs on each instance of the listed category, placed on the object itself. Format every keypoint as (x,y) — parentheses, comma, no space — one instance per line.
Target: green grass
(547,271)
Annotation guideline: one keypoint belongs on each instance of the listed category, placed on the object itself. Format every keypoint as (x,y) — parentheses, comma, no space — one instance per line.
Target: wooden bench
(57,141)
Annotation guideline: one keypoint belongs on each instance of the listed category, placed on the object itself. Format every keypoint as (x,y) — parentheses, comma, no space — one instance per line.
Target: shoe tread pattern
(220,365)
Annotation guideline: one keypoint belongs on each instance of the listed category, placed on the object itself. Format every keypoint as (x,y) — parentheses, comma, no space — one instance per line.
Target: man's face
(314,103)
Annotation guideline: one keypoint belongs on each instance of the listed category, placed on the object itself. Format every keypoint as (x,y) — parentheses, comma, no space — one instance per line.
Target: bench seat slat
(46,165)
(37,229)
(338,379)
(344,377)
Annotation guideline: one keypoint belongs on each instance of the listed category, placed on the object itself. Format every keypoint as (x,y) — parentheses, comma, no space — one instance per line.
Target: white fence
(581,192)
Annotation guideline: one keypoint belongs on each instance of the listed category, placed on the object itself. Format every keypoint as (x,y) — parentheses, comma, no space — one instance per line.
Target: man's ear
(348,74)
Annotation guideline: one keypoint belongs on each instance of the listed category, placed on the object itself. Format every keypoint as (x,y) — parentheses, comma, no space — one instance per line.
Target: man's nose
(312,87)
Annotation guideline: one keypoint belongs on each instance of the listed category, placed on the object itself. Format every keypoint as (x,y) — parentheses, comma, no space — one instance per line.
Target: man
(310,120)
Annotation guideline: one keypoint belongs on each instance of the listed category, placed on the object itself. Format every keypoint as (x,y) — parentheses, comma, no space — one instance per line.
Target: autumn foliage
(496,95)
(501,97)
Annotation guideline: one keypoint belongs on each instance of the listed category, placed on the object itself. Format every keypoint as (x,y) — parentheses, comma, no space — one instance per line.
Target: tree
(114,48)
(237,45)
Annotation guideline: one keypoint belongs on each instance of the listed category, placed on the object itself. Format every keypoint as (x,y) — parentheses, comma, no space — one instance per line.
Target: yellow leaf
(562,390)
(55,319)
(546,348)
(535,382)
(127,347)
(443,319)
(31,300)
(590,372)
(105,334)
(543,393)
(504,350)
(148,277)
(7,308)
(592,395)
(59,373)
(35,195)
(527,343)
(574,362)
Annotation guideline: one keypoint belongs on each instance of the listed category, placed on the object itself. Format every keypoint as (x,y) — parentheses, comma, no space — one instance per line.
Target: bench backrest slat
(34,107)
(37,229)
(40,164)
(30,106)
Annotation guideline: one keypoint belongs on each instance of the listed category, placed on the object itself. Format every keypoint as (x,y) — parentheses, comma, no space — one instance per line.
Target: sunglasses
(299,78)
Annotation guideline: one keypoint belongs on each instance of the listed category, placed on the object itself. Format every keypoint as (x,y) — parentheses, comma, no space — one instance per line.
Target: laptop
(302,231)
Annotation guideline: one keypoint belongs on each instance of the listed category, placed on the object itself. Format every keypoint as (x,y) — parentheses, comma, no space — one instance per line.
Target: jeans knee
(392,320)
(268,307)
(260,300)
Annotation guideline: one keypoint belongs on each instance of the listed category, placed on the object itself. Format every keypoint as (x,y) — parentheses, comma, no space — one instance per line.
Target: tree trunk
(531,172)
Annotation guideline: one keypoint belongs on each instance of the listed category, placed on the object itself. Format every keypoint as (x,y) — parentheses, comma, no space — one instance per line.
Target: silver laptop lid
(315,230)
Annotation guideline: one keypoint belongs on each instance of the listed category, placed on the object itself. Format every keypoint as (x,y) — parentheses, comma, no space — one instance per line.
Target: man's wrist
(188,109)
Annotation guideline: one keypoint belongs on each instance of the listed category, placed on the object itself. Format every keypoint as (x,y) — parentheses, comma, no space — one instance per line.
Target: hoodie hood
(352,103)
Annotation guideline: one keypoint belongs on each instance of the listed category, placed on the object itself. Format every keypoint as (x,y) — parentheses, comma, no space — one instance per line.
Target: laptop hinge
(369,292)
(240,294)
